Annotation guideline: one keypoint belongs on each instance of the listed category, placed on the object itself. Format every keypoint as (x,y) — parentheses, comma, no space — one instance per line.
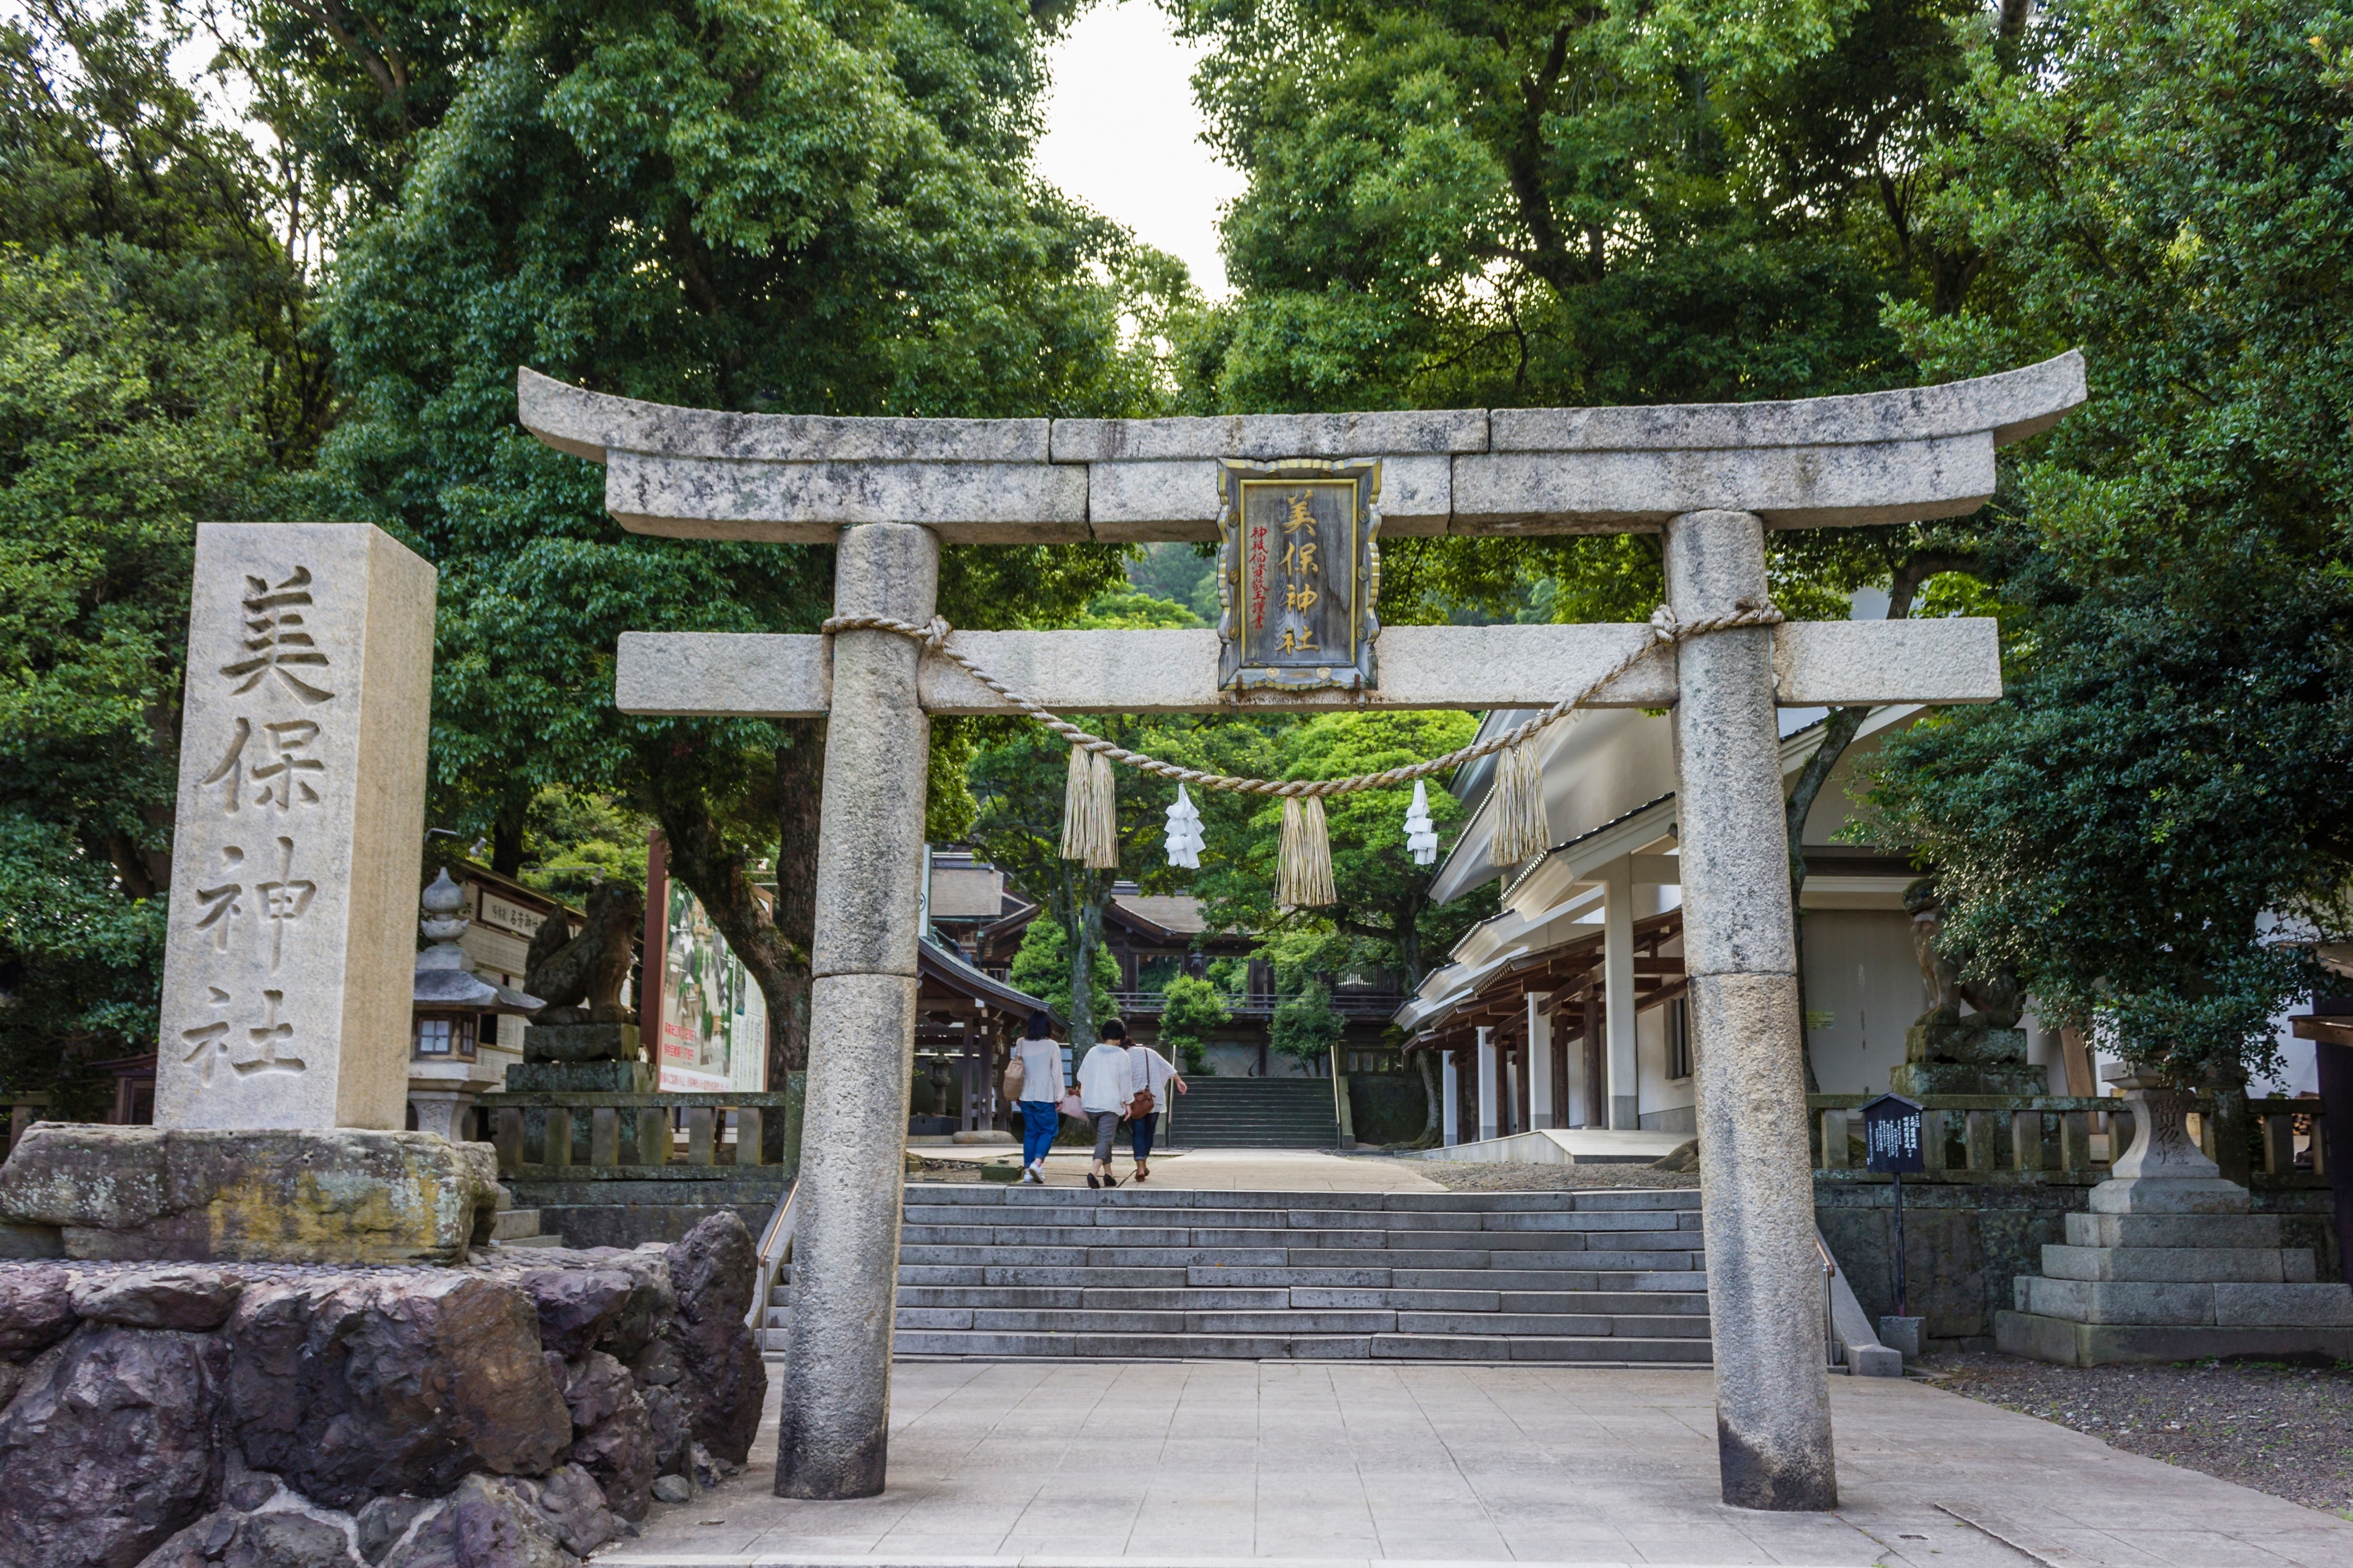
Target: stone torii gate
(1712,478)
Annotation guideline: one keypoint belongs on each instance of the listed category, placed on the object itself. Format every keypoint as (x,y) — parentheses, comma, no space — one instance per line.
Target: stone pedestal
(581,1042)
(2170,1264)
(443,1092)
(581,1078)
(1943,1055)
(275,1197)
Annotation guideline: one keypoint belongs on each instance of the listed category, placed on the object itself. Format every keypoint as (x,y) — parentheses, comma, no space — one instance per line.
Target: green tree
(1189,1009)
(1384,915)
(1305,1026)
(765,207)
(1041,966)
(2171,186)
(149,377)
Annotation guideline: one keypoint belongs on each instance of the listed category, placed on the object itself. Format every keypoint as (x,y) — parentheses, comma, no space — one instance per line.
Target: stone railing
(2049,1138)
(569,1133)
(22,1109)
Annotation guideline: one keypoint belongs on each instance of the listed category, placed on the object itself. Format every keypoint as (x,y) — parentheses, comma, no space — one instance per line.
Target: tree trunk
(1432,1134)
(1090,894)
(506,842)
(801,793)
(699,856)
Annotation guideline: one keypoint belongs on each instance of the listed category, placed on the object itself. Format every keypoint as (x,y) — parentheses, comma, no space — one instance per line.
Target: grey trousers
(1106,1129)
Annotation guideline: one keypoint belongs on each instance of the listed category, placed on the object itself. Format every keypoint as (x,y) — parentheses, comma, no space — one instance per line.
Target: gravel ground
(1527,1176)
(2285,1430)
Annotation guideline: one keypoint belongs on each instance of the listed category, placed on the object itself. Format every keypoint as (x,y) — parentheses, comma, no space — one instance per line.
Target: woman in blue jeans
(1041,1056)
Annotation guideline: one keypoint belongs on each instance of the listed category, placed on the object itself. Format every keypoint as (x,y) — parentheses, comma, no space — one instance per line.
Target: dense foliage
(2169,185)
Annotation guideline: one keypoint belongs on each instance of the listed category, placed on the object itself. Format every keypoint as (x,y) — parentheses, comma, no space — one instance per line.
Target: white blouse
(1149,1071)
(1042,1069)
(1102,1079)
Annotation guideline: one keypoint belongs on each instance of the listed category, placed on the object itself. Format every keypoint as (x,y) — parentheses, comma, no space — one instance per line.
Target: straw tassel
(1522,830)
(1091,811)
(1302,877)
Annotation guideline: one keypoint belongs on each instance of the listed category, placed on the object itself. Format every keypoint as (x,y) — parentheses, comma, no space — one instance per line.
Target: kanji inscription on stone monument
(295,853)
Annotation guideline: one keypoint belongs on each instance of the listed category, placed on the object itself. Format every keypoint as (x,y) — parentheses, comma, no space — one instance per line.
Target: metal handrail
(776,1246)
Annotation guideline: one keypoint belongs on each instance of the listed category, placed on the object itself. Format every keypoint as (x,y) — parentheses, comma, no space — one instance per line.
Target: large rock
(112,1449)
(712,1267)
(35,1310)
(280,1539)
(369,1384)
(613,1438)
(487,1524)
(197,1300)
(670,1421)
(146,1193)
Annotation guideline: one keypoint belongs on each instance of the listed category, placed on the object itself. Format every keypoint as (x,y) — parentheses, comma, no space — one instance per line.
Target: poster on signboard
(714,1021)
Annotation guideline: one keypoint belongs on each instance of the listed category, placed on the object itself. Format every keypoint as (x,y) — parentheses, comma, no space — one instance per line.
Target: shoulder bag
(1017,1075)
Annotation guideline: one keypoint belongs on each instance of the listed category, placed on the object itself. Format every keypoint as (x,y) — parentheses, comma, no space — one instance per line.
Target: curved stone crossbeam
(1879,457)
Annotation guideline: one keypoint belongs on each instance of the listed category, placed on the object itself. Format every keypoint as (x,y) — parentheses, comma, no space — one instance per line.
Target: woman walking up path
(1040,1057)
(1103,1094)
(1148,1073)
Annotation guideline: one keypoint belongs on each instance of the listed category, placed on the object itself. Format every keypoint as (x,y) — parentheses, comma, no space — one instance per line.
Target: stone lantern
(444,1075)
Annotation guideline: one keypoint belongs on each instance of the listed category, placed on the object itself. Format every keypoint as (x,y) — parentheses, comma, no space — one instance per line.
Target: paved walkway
(1224,1170)
(1090,1465)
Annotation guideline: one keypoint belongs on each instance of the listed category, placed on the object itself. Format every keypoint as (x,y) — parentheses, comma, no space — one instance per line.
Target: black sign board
(1891,1135)
(1299,575)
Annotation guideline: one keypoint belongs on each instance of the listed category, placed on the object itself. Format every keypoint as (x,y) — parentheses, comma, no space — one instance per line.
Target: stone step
(1394,1241)
(1305,1347)
(1603,1200)
(530,1241)
(517,1225)
(2208,1265)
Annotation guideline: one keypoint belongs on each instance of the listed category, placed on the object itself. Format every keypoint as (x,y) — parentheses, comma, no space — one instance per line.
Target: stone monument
(888,493)
(282,1072)
(2171,1264)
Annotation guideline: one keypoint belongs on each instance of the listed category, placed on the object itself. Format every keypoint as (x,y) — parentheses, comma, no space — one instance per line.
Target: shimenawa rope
(1302,876)
(1666,631)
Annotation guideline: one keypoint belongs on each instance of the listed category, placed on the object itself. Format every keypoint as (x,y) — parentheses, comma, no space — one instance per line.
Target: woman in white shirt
(1040,1056)
(1103,1094)
(1148,1072)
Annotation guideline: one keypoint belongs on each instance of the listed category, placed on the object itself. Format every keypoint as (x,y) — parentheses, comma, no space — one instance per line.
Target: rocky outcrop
(108,1446)
(712,1267)
(513,1414)
(373,1385)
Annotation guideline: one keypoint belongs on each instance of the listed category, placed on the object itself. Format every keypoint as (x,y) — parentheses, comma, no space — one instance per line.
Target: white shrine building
(1605,900)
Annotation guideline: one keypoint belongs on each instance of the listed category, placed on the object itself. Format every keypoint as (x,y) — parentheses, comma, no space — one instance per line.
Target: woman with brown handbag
(1033,1080)
(1149,1075)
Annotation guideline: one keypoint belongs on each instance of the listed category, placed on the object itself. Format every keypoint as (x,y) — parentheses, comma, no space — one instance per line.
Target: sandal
(1141,1169)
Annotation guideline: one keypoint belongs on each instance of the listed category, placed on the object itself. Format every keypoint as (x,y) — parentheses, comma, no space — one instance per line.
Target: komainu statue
(1947,1051)
(580,978)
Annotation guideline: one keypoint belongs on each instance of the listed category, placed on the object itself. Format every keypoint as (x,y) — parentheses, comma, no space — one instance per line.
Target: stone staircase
(518,1228)
(1254,1113)
(993,1273)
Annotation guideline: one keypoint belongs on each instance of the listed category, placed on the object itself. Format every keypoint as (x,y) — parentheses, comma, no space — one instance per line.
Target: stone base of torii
(890,492)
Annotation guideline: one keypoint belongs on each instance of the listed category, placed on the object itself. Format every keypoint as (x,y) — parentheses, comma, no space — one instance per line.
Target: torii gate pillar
(834,1430)
(1772,1386)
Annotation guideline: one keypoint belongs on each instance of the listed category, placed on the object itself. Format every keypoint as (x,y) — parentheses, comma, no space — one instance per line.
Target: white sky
(1120,135)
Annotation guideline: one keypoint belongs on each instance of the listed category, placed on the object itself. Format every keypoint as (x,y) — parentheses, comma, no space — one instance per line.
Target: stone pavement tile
(1097,1464)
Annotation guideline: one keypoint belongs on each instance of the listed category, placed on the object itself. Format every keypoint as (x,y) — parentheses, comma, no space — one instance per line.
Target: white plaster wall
(1861,972)
(1667,1104)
